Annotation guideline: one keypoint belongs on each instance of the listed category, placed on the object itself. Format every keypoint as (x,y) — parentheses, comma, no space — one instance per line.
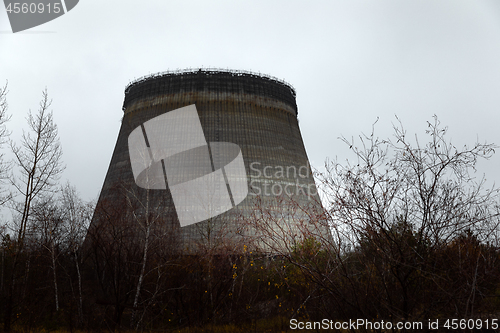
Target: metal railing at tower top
(209,71)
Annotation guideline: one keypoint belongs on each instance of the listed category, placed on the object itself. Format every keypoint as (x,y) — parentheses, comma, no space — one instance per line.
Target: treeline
(414,236)
(380,279)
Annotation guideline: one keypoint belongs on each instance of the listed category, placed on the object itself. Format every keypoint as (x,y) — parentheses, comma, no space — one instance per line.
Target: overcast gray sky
(350,62)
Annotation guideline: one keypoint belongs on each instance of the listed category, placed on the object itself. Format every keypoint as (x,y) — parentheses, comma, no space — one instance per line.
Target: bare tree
(147,217)
(57,227)
(433,187)
(111,246)
(38,159)
(395,210)
(4,170)
(4,134)
(48,229)
(77,215)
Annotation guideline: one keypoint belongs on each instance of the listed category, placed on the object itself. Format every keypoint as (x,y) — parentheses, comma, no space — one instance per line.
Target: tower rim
(198,78)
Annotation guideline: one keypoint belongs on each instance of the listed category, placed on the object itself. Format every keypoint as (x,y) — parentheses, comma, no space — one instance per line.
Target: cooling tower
(208,157)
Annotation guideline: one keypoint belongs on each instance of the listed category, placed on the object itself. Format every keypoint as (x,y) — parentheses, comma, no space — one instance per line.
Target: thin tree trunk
(141,276)
(80,303)
(55,275)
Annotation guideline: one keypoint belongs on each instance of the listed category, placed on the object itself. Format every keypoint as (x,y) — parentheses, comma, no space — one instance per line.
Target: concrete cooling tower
(208,157)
